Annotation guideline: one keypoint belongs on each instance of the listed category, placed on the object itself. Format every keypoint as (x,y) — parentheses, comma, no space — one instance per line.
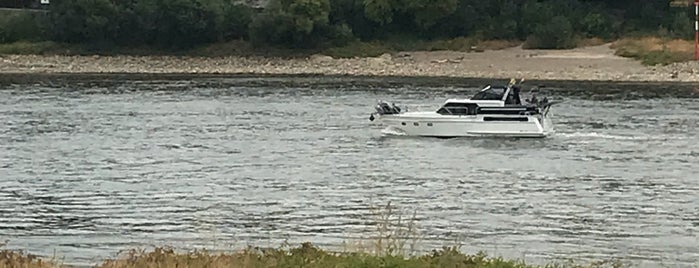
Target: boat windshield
(490,93)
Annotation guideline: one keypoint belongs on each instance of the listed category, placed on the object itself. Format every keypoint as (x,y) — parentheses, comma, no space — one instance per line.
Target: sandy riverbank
(597,63)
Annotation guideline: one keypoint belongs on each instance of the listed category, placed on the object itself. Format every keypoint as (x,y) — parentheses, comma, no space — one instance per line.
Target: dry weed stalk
(394,234)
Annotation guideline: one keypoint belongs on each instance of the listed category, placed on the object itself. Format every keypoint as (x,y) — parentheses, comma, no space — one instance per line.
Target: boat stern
(384,108)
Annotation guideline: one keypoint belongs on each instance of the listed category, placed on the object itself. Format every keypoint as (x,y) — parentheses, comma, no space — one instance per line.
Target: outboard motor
(383,108)
(386,108)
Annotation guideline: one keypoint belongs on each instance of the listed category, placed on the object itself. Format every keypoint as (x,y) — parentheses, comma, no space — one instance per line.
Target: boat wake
(596,135)
(391,131)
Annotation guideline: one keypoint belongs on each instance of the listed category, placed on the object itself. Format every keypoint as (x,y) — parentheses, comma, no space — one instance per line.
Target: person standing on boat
(534,100)
(515,93)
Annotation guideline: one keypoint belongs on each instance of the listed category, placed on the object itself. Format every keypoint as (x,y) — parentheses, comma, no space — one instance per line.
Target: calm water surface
(88,170)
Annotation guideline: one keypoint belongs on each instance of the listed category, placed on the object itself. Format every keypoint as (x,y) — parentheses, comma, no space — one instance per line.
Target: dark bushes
(160,23)
(22,26)
(179,24)
(556,34)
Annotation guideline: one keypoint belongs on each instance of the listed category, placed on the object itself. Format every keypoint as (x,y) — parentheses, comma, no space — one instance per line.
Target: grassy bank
(376,48)
(393,241)
(244,48)
(655,50)
(648,50)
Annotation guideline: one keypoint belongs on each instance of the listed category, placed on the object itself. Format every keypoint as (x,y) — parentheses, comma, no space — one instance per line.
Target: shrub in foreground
(308,256)
(14,259)
(305,255)
(653,50)
(393,245)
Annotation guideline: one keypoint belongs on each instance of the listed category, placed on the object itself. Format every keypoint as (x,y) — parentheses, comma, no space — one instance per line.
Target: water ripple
(91,170)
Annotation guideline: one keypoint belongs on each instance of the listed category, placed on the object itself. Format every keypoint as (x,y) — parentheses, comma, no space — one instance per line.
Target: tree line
(177,24)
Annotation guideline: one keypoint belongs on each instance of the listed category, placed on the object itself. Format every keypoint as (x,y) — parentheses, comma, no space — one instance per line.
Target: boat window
(429,124)
(455,108)
(492,118)
(416,124)
(403,123)
(454,104)
(493,93)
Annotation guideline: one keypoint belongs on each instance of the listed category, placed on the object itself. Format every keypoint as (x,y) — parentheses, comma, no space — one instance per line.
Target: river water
(88,169)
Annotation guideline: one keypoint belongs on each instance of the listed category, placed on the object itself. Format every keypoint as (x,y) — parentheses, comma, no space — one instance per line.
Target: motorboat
(492,111)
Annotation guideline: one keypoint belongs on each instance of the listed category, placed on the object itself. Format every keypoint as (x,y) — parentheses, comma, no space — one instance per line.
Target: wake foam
(596,135)
(392,132)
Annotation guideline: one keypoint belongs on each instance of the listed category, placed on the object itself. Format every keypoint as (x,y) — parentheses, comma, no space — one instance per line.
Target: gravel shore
(596,63)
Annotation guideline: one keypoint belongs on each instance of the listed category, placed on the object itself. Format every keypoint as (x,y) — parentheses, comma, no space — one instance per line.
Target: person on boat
(513,97)
(534,100)
(395,108)
(516,90)
(509,100)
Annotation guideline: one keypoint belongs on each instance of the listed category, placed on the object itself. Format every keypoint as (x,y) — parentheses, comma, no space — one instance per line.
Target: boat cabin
(489,100)
(506,95)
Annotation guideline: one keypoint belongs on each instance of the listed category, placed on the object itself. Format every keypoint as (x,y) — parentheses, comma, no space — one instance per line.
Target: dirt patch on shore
(595,63)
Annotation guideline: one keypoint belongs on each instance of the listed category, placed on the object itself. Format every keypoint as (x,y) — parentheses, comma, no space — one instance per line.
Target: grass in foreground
(305,255)
(392,245)
(654,50)
(15,259)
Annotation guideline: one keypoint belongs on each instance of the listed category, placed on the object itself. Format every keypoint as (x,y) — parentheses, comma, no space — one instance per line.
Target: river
(91,168)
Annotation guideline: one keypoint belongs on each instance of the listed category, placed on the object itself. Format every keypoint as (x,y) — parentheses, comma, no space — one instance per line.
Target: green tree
(428,12)
(503,21)
(293,23)
(318,23)
(22,26)
(176,23)
(351,13)
(272,28)
(470,16)
(231,19)
(380,11)
(307,13)
(235,22)
(596,24)
(534,13)
(681,26)
(556,34)
(83,20)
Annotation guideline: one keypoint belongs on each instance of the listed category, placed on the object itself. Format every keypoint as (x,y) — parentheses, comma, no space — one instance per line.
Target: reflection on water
(90,170)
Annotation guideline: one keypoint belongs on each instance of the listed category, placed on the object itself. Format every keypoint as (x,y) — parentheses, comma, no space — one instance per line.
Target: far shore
(594,63)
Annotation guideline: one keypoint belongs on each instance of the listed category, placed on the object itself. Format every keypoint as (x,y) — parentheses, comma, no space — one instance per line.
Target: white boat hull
(436,125)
